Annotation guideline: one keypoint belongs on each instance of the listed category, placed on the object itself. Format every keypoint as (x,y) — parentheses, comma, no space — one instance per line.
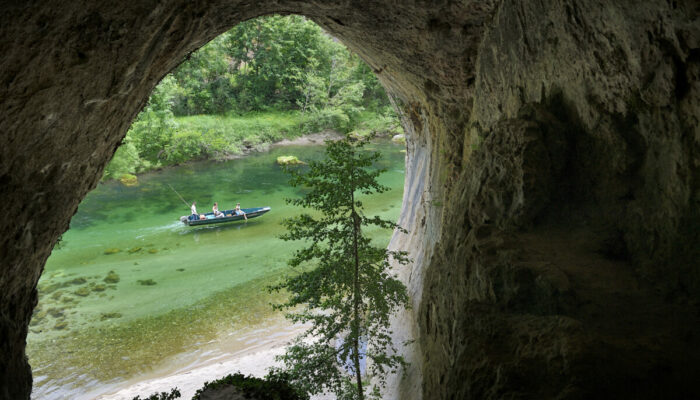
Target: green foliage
(174,394)
(344,287)
(272,388)
(224,135)
(126,160)
(183,146)
(152,130)
(274,65)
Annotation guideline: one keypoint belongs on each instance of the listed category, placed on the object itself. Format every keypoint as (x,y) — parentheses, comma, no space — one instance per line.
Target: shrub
(272,388)
(174,394)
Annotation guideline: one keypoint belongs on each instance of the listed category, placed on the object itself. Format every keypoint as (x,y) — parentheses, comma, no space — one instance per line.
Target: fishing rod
(178,195)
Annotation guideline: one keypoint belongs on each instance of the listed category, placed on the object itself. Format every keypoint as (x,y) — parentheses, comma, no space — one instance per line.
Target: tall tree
(344,287)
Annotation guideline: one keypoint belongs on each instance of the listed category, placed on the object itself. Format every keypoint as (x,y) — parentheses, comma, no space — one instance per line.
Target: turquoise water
(129,285)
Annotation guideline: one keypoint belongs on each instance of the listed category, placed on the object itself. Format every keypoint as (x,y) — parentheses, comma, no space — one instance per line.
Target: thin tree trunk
(330,87)
(356,296)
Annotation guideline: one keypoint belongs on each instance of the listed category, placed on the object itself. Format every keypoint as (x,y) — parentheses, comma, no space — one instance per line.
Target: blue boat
(229,216)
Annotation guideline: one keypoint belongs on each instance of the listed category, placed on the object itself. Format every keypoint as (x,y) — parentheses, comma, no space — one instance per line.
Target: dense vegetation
(264,80)
(271,388)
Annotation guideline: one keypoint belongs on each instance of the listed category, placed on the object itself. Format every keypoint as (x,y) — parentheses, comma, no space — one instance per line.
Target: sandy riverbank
(251,352)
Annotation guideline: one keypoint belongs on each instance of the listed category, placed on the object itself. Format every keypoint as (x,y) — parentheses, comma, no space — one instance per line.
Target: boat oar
(178,195)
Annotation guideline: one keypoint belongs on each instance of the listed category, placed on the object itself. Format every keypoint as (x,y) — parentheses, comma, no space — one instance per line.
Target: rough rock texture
(552,174)
(567,263)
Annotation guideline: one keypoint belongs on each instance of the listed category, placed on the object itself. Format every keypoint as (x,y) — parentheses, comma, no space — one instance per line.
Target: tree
(152,130)
(344,287)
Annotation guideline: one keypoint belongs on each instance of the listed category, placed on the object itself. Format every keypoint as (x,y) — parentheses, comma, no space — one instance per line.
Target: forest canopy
(266,79)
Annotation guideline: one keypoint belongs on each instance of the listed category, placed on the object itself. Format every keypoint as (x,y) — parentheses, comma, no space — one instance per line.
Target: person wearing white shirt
(194,211)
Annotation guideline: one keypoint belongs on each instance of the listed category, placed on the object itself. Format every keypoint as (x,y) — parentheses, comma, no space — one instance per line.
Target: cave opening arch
(475,81)
(87,125)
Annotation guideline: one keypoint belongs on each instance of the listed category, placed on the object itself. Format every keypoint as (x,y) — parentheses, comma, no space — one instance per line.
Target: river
(129,288)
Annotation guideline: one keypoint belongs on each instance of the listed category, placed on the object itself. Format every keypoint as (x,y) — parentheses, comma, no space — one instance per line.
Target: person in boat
(238,211)
(217,213)
(195,216)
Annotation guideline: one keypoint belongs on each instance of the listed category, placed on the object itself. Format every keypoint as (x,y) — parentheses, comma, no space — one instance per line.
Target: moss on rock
(289,160)
(129,180)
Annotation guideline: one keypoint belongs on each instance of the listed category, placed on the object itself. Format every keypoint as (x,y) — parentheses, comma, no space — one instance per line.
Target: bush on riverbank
(239,386)
(219,137)
(250,387)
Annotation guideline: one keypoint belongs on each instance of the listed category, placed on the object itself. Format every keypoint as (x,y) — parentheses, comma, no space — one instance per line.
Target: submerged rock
(153,251)
(48,288)
(55,312)
(111,315)
(112,277)
(146,282)
(61,325)
(112,250)
(83,292)
(78,281)
(99,288)
(57,295)
(129,180)
(135,250)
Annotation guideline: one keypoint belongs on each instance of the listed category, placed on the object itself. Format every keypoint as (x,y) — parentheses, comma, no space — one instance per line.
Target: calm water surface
(129,286)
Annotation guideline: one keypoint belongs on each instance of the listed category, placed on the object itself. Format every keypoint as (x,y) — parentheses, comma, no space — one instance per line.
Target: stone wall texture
(551,198)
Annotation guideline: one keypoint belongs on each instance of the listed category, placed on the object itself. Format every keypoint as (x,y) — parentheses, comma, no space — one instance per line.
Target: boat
(230,216)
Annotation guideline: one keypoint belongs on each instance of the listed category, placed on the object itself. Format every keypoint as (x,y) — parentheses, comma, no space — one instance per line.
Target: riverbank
(251,352)
(224,137)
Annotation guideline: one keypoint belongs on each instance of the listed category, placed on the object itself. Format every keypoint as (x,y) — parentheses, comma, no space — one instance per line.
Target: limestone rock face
(551,196)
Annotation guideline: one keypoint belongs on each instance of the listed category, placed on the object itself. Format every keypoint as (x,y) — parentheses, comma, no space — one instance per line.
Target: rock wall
(551,189)
(566,266)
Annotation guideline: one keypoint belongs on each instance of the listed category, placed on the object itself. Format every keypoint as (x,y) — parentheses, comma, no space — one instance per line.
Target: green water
(178,287)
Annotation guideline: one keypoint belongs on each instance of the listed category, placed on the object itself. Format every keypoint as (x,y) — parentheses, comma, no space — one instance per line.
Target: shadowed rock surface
(551,193)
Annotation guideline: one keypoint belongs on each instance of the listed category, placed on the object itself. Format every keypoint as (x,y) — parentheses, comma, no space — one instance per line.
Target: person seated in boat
(194,216)
(238,211)
(217,213)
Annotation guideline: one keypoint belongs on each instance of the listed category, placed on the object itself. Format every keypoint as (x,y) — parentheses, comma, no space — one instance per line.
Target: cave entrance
(129,289)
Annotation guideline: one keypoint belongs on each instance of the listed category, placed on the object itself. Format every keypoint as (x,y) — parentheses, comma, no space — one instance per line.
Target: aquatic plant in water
(112,277)
(78,281)
(111,315)
(60,325)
